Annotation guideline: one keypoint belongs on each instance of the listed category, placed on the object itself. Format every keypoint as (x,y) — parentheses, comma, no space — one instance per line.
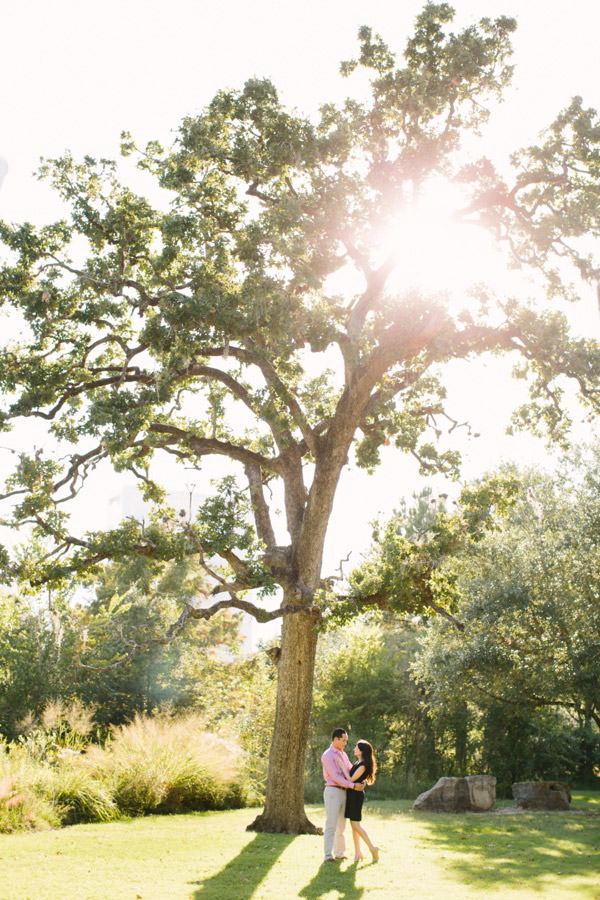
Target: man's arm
(332,773)
(359,773)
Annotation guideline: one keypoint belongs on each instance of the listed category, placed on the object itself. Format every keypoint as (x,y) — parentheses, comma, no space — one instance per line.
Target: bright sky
(74,74)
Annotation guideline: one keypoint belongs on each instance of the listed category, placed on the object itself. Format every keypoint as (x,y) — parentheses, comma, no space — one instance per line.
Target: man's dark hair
(338,733)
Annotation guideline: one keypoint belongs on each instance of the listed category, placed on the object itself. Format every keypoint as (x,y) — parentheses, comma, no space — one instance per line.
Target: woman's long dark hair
(368,758)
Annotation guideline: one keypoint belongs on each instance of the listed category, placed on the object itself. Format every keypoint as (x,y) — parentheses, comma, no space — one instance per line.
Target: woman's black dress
(355,799)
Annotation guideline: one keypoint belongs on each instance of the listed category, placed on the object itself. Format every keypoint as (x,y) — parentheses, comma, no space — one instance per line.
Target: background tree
(363,682)
(29,648)
(527,663)
(210,323)
(45,637)
(136,602)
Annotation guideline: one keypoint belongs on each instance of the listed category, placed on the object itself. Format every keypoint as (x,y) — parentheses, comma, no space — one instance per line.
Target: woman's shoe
(375,853)
(358,858)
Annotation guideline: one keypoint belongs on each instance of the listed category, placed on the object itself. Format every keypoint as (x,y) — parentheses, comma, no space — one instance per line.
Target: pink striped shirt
(336,768)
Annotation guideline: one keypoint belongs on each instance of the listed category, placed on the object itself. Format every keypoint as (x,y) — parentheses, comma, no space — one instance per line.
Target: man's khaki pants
(334,799)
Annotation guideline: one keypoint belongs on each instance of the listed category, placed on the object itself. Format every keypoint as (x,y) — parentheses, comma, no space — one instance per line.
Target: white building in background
(127,503)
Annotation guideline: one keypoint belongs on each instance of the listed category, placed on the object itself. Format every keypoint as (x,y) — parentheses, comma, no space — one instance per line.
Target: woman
(363,771)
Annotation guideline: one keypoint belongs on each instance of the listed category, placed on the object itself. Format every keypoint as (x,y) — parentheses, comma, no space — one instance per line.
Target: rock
(447,795)
(475,793)
(541,794)
(482,792)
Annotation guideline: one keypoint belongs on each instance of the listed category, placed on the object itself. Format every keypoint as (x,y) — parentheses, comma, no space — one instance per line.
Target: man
(336,771)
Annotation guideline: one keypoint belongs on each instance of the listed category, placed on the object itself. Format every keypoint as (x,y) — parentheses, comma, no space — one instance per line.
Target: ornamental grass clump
(157,765)
(61,730)
(161,765)
(76,795)
(61,792)
(18,809)
(22,808)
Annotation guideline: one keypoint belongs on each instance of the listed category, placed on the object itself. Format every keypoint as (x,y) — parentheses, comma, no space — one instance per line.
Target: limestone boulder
(482,792)
(541,794)
(476,793)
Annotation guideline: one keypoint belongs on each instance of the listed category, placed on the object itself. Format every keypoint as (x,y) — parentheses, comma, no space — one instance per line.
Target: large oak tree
(249,312)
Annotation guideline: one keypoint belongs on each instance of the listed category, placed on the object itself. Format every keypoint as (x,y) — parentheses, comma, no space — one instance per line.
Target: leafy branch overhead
(410,569)
(247,311)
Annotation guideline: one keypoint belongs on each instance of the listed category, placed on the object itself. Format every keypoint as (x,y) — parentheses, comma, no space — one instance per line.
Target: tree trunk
(284,801)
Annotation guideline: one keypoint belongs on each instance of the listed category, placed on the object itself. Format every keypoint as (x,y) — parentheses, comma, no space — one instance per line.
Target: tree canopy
(530,605)
(246,310)
(525,670)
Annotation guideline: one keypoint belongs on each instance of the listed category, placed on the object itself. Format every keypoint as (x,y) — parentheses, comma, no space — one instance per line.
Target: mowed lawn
(210,856)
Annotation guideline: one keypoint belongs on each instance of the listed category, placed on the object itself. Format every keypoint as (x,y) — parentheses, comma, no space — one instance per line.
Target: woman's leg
(356,839)
(359,832)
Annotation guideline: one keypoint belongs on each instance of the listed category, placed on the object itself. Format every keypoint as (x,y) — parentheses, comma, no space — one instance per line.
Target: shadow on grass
(330,877)
(589,800)
(239,879)
(515,849)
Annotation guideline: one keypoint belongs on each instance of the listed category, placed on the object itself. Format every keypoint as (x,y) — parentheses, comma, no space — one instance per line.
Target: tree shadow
(242,875)
(515,849)
(330,877)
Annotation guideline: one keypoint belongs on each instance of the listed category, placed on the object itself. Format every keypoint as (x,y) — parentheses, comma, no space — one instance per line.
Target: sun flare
(435,251)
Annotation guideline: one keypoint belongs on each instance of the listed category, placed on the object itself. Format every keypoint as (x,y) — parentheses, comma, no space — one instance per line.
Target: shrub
(168,765)
(21,808)
(76,795)
(160,765)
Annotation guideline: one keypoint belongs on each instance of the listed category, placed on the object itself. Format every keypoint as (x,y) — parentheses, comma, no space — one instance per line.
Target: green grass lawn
(210,856)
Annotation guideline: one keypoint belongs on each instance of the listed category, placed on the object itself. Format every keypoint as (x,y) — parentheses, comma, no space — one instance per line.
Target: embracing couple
(344,795)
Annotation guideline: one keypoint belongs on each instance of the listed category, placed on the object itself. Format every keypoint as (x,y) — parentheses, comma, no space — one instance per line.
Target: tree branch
(194,612)
(381,600)
(283,393)
(262,517)
(237,389)
(254,192)
(138,377)
(77,461)
(375,284)
(210,446)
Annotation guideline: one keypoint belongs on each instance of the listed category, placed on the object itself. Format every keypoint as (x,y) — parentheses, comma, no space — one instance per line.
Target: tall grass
(151,765)
(22,808)
(76,795)
(169,765)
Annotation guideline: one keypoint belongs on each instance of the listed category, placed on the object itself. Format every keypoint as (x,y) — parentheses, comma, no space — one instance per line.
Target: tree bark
(284,802)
